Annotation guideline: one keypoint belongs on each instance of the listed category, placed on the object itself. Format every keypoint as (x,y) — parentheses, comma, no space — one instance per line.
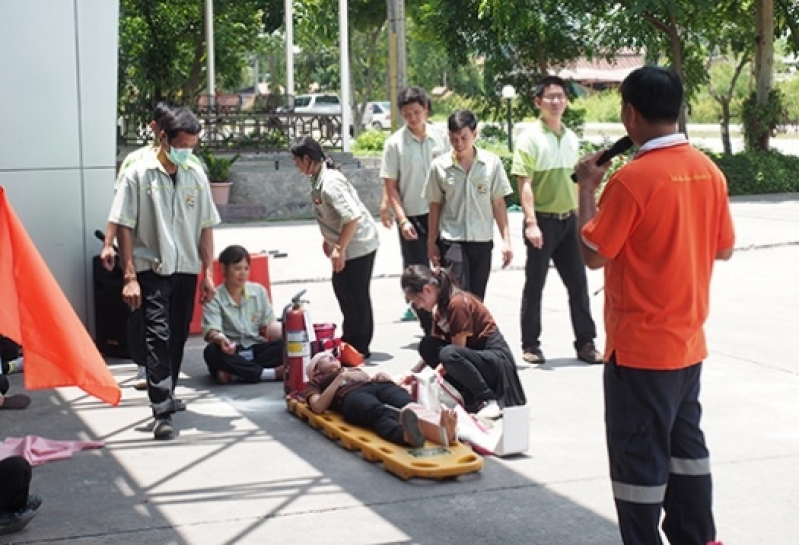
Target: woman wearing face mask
(350,240)
(244,337)
(465,344)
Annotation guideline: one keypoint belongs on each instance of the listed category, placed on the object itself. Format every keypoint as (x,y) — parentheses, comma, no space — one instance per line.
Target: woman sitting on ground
(376,403)
(465,344)
(244,338)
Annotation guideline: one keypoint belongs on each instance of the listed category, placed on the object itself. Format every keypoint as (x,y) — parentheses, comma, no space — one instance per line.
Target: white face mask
(179,156)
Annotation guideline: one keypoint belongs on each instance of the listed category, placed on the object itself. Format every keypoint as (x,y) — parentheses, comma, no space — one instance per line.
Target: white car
(377,115)
(316,103)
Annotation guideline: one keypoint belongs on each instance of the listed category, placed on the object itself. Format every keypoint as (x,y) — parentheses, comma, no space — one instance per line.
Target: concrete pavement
(245,471)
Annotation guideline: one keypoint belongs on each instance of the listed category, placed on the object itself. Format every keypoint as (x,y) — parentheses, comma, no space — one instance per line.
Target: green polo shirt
(407,159)
(336,203)
(467,214)
(548,159)
(166,216)
(239,322)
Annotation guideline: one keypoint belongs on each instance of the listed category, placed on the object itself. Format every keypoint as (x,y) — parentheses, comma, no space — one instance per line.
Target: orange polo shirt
(662,219)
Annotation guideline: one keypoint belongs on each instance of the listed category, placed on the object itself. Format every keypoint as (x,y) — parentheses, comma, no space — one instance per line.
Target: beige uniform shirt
(239,323)
(336,203)
(407,159)
(166,217)
(466,212)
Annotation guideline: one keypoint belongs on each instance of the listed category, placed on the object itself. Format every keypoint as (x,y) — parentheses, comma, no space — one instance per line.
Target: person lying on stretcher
(376,403)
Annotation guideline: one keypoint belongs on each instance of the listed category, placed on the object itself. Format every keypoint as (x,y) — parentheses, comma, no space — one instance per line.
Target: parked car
(317,103)
(377,115)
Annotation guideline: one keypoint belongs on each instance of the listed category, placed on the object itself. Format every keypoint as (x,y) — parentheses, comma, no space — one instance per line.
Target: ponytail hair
(416,277)
(305,146)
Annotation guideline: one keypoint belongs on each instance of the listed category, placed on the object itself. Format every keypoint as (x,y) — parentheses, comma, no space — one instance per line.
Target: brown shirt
(318,384)
(465,314)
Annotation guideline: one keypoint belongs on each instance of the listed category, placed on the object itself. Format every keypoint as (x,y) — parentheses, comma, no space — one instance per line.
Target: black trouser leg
(472,372)
(184,290)
(367,407)
(269,355)
(414,252)
(477,258)
(352,289)
(570,266)
(167,304)
(536,268)
(15,480)
(430,348)
(136,343)
(452,257)
(266,355)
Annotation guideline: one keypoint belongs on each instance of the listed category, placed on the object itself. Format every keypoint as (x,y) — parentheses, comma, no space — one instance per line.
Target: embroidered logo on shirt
(190,200)
(482,188)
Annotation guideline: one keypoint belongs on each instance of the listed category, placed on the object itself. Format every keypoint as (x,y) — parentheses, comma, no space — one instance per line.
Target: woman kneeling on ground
(376,403)
(465,343)
(244,338)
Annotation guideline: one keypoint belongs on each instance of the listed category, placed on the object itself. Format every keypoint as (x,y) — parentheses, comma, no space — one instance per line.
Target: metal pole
(344,55)
(290,49)
(209,44)
(510,126)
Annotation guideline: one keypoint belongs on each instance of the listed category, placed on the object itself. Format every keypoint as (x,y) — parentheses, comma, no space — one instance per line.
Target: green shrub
(603,107)
(370,140)
(757,173)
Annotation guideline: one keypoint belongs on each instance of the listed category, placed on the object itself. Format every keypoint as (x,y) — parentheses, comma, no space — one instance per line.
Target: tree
(163,53)
(757,123)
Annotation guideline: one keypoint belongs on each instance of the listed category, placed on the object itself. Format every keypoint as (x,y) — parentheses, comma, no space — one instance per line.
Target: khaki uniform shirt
(466,213)
(239,323)
(166,217)
(407,160)
(336,203)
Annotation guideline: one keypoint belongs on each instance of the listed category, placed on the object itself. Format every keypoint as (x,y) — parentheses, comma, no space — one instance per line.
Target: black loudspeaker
(110,311)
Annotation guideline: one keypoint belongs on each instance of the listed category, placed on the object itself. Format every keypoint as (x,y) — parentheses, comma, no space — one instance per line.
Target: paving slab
(244,470)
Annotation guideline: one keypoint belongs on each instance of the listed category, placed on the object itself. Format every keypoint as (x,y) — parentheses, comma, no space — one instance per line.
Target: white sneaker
(490,410)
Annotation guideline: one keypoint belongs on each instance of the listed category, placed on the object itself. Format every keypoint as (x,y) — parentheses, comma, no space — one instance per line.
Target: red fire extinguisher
(297,343)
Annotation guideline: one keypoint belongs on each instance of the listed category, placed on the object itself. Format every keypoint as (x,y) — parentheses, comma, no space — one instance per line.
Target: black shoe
(16,521)
(589,354)
(163,428)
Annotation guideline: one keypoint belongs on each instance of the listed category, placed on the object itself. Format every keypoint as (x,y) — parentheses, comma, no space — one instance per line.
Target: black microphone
(99,234)
(621,145)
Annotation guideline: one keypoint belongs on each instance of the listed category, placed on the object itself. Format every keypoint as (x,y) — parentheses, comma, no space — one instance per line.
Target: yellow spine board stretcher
(429,462)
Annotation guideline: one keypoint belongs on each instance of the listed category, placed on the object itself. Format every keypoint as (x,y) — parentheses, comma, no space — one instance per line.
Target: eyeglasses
(555,98)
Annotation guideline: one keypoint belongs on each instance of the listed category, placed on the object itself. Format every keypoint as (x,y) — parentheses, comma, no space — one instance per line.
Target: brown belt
(556,215)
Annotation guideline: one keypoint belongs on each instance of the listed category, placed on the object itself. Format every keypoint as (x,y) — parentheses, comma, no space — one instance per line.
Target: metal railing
(249,130)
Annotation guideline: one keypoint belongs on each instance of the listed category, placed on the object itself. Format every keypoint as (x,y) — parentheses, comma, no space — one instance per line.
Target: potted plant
(218,174)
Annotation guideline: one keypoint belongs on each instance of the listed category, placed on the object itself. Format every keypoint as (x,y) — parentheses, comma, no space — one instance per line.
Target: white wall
(58,85)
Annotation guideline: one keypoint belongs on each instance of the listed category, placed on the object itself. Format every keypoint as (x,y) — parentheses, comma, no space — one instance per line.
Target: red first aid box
(259,273)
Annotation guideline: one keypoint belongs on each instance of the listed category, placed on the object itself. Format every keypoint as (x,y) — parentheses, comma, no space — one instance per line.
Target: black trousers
(470,263)
(366,407)
(658,457)
(167,306)
(561,246)
(474,373)
(351,287)
(266,355)
(15,480)
(414,252)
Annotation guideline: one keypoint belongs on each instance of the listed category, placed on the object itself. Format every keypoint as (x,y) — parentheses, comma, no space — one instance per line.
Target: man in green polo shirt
(165,217)
(543,162)
(466,192)
(407,155)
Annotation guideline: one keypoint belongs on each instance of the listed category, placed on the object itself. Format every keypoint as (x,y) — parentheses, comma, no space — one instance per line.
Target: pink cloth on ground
(39,450)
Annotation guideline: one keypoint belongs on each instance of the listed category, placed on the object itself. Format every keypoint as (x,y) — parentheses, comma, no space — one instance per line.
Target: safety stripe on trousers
(690,466)
(655,494)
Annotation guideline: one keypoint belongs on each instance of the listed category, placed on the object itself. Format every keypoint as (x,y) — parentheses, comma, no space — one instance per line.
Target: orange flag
(36,314)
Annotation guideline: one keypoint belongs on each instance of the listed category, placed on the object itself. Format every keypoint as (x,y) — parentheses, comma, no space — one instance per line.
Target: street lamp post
(509,93)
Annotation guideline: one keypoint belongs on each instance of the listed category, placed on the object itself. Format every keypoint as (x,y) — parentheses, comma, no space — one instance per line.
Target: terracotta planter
(220,192)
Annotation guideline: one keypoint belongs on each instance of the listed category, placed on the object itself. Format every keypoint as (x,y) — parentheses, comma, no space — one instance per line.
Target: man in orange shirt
(663,220)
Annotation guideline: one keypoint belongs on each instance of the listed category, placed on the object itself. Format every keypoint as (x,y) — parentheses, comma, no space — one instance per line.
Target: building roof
(601,70)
